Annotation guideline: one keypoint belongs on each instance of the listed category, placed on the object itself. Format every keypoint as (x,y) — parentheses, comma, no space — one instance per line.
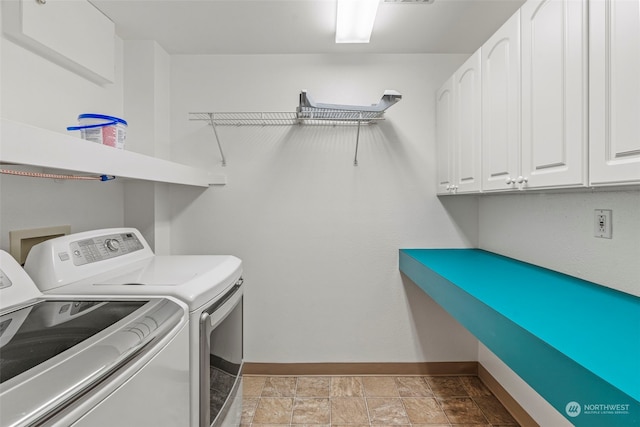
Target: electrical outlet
(603,225)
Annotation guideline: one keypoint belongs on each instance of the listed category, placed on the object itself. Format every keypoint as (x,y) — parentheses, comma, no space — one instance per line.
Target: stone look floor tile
(249,405)
(340,402)
(386,411)
(346,387)
(311,410)
(447,386)
(380,387)
(313,387)
(348,410)
(279,387)
(273,410)
(413,387)
(471,425)
(424,410)
(475,386)
(252,386)
(494,411)
(462,410)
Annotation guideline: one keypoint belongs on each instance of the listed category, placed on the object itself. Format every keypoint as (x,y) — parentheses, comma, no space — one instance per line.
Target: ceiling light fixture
(355,20)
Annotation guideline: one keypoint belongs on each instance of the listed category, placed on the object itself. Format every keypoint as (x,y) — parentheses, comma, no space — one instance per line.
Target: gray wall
(319,237)
(556,231)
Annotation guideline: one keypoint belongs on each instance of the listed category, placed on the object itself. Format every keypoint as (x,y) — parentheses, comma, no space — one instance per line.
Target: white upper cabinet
(458,130)
(501,107)
(73,34)
(614,88)
(444,136)
(560,102)
(554,93)
(467,89)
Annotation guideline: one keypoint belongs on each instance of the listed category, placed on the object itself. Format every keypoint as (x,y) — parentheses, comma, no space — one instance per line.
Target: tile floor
(384,401)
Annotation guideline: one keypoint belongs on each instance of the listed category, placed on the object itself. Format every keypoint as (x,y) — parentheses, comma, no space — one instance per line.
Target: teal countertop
(594,327)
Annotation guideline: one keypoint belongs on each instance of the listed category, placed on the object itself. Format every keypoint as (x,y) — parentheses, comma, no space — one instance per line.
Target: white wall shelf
(24,144)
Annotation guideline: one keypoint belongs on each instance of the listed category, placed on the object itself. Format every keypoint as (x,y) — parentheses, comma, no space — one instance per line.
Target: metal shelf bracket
(212,122)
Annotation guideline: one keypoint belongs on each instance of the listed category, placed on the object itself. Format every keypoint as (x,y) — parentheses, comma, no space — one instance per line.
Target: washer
(83,361)
(119,262)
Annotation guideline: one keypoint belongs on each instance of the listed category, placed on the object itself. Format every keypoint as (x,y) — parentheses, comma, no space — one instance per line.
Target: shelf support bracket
(215,132)
(355,158)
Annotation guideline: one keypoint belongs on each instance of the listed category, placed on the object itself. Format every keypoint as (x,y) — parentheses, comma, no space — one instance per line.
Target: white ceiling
(304,26)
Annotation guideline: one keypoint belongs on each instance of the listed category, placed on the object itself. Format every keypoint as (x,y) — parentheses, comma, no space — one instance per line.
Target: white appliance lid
(47,370)
(16,287)
(118,261)
(194,279)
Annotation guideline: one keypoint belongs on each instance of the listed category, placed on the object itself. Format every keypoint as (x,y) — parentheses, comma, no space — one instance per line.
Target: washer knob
(112,245)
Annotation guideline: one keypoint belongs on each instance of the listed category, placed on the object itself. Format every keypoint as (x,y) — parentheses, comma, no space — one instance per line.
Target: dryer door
(221,360)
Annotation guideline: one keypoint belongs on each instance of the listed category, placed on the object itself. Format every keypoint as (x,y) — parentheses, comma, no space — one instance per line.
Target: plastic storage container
(101,129)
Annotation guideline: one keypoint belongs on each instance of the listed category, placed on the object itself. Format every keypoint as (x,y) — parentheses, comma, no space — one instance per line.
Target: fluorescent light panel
(355,20)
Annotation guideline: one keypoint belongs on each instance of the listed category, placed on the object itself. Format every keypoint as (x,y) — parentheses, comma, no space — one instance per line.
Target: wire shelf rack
(307,116)
(307,113)
(246,118)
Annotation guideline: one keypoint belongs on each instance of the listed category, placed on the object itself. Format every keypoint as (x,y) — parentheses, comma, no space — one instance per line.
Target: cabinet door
(444,136)
(554,99)
(501,106)
(73,34)
(467,89)
(614,107)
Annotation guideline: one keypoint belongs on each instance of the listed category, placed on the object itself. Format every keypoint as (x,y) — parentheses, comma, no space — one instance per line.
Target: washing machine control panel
(105,247)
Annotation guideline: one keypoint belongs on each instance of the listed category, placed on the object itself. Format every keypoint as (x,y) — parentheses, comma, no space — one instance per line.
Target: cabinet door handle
(522,179)
(510,180)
